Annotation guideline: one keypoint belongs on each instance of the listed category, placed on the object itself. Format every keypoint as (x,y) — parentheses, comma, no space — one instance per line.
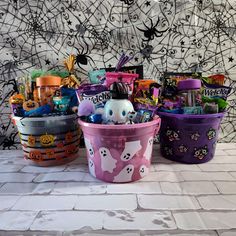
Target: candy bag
(97,76)
(145,95)
(97,93)
(215,91)
(126,78)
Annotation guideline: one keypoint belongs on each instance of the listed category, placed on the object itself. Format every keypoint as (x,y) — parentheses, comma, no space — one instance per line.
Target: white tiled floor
(174,199)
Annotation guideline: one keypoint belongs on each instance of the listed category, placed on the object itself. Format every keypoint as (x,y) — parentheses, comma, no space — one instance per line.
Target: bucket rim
(45,118)
(188,116)
(120,127)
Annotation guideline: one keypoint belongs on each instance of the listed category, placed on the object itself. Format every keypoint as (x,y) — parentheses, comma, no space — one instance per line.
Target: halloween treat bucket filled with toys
(42,111)
(49,141)
(118,138)
(191,113)
(119,153)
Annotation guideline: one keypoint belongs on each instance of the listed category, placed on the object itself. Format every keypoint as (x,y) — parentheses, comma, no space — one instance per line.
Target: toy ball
(86,108)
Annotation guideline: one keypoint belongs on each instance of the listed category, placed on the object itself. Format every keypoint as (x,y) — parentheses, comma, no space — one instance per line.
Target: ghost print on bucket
(89,147)
(92,167)
(143,170)
(125,174)
(127,162)
(108,163)
(148,152)
(131,148)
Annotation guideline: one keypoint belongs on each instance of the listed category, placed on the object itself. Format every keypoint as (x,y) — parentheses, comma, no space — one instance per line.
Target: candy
(197,110)
(40,111)
(214,90)
(126,78)
(16,102)
(61,103)
(146,92)
(222,104)
(97,76)
(216,79)
(98,94)
(143,116)
(95,118)
(210,108)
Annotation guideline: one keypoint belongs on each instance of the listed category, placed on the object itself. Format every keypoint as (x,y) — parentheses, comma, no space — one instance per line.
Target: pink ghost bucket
(119,153)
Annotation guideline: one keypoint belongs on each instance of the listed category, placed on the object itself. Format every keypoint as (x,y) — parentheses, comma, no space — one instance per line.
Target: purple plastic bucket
(119,153)
(189,138)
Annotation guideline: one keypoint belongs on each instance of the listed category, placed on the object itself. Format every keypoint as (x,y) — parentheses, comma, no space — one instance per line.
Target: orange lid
(48,80)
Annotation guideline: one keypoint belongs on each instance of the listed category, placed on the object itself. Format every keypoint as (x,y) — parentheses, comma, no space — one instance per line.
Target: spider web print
(164,35)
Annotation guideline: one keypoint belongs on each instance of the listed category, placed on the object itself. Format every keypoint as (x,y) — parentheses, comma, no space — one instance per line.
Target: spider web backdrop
(164,35)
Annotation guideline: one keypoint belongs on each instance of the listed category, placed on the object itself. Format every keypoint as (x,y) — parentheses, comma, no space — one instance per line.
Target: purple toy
(190,90)
(86,108)
(189,84)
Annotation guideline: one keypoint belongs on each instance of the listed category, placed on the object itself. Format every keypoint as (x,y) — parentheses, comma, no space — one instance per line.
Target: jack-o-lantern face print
(30,105)
(31,141)
(69,137)
(47,140)
(35,155)
(71,149)
(50,153)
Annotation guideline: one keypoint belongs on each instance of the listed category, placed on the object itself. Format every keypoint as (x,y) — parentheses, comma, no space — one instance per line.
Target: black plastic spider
(151,32)
(9,142)
(82,57)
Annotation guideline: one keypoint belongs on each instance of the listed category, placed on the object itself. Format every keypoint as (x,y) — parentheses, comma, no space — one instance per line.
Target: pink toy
(126,78)
(119,153)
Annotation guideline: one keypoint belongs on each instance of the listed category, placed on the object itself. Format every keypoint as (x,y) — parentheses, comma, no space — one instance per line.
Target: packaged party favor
(97,93)
(145,95)
(126,78)
(215,90)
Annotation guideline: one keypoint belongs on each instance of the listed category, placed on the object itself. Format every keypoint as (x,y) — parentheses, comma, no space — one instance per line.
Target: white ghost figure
(89,147)
(116,111)
(148,152)
(131,148)
(125,174)
(143,170)
(91,168)
(108,163)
